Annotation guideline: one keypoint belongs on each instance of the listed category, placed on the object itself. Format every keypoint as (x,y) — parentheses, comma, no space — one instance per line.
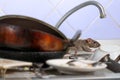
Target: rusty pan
(32,55)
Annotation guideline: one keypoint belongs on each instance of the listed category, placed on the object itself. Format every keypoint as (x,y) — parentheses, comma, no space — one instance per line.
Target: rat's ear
(89,40)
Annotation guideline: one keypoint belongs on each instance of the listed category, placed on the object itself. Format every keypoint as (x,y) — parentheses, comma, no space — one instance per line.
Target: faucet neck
(95,3)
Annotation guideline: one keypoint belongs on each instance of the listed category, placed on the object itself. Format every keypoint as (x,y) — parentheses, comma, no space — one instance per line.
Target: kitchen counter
(104,74)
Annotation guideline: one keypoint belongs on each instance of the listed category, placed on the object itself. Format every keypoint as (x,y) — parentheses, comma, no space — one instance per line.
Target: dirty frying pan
(28,39)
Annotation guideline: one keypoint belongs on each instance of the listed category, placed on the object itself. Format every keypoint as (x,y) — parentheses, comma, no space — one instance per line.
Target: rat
(83,45)
(86,44)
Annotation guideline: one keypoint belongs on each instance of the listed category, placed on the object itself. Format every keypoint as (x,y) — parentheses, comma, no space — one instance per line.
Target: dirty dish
(78,67)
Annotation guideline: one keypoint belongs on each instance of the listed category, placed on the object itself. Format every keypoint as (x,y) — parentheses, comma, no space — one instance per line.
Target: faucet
(95,3)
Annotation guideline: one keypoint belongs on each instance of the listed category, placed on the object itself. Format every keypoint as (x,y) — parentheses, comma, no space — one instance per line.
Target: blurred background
(86,19)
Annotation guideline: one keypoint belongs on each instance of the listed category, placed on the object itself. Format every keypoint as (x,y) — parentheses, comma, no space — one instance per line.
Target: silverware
(117,59)
(76,60)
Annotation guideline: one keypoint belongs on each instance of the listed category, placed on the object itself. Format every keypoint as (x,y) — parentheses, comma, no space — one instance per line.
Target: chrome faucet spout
(95,3)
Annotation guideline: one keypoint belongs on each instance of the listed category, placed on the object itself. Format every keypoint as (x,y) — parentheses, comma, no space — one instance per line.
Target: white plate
(62,66)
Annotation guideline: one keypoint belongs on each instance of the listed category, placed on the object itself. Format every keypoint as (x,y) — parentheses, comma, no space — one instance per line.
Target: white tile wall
(85,19)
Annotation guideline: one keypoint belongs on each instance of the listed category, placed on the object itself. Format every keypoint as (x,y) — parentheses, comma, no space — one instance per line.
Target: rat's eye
(94,42)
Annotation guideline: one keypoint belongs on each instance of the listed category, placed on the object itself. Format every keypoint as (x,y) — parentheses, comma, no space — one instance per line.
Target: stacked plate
(76,66)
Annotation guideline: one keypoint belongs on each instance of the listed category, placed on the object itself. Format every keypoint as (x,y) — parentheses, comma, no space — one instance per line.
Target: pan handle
(95,3)
(76,36)
(70,43)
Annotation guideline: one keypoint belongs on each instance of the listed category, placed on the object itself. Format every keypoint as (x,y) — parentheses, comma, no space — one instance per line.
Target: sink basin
(111,46)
